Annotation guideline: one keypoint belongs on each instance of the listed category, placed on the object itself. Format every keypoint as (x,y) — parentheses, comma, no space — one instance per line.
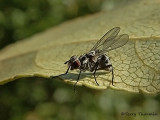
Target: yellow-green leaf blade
(136,65)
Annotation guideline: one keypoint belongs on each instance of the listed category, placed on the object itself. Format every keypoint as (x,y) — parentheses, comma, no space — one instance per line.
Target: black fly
(96,59)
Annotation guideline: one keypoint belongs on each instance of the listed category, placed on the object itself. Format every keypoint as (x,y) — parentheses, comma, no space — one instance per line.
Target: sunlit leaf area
(36,98)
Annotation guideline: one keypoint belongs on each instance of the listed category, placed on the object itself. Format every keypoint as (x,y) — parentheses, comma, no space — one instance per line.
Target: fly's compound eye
(76,64)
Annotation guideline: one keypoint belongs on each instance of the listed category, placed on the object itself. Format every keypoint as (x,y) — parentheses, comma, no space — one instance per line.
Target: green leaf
(136,65)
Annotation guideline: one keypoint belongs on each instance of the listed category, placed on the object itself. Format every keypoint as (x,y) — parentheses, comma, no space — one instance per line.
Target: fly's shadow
(73,76)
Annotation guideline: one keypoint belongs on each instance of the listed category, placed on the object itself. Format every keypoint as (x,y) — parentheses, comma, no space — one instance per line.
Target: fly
(96,59)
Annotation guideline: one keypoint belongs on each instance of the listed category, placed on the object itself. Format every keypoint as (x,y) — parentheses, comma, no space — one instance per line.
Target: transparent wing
(119,41)
(107,39)
(111,40)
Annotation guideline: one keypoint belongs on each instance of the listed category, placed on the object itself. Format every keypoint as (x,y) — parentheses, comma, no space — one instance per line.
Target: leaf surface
(136,65)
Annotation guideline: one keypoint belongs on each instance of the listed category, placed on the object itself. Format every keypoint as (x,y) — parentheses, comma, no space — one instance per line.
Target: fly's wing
(107,39)
(110,41)
(119,41)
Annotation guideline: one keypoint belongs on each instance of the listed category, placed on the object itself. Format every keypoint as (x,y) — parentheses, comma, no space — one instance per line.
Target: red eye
(75,64)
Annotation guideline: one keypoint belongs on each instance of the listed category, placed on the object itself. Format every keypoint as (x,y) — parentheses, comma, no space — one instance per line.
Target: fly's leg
(77,80)
(112,76)
(94,74)
(112,73)
(63,73)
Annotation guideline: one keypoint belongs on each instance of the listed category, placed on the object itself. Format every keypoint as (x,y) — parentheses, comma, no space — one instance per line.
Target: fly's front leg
(77,80)
(63,73)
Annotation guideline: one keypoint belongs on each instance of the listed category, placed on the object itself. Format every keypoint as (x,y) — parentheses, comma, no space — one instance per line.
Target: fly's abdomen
(104,63)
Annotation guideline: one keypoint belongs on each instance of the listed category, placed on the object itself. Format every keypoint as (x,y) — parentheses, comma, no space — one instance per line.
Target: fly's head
(73,62)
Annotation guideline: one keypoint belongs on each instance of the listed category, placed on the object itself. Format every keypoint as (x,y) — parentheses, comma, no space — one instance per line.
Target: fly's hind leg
(111,70)
(112,76)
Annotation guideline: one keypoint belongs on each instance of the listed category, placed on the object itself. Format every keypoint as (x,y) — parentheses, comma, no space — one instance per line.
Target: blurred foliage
(44,99)
(20,19)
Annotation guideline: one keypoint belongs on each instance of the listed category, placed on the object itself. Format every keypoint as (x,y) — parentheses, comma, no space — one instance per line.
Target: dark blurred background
(20,19)
(44,99)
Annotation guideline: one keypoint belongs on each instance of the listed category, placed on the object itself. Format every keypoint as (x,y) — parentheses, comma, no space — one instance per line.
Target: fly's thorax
(74,62)
(92,56)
